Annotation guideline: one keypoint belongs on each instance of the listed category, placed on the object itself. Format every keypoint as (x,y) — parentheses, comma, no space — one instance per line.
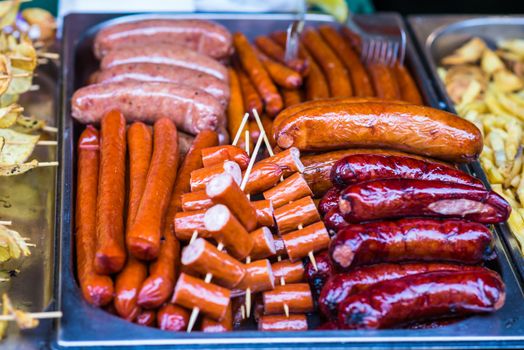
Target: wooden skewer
(246,142)
(6,222)
(240,128)
(261,127)
(51,129)
(37,315)
(252,160)
(243,312)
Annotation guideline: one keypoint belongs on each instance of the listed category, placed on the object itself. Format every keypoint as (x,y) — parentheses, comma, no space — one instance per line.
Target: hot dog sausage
(203,257)
(264,210)
(163,73)
(263,245)
(296,296)
(411,239)
(226,229)
(263,176)
(301,212)
(334,220)
(258,75)
(167,55)
(312,238)
(416,129)
(279,73)
(275,323)
(219,154)
(318,166)
(110,252)
(198,200)
(250,96)
(360,168)
(206,37)
(222,189)
(412,298)
(289,272)
(380,199)
(292,188)
(319,276)
(360,79)
(288,160)
(384,82)
(201,177)
(187,223)
(291,97)
(339,286)
(191,292)
(276,52)
(191,109)
(235,108)
(259,277)
(337,76)
(143,240)
(172,318)
(211,326)
(408,89)
(96,289)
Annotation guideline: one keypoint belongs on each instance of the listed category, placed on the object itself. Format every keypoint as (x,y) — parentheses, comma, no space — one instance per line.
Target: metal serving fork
(294,31)
(383,41)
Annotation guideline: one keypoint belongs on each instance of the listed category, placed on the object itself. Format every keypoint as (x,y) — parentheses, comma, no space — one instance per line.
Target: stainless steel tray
(438,36)
(86,326)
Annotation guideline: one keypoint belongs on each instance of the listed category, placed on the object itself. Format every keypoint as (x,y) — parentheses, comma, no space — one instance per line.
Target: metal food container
(85,326)
(438,36)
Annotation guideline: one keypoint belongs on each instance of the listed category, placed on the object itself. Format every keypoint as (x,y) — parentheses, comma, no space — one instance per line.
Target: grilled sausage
(408,89)
(339,286)
(411,239)
(384,82)
(235,109)
(206,37)
(360,168)
(381,199)
(96,289)
(250,95)
(291,97)
(412,298)
(276,52)
(280,74)
(334,220)
(329,201)
(192,110)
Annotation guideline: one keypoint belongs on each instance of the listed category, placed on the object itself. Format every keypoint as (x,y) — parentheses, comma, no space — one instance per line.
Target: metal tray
(84,326)
(438,36)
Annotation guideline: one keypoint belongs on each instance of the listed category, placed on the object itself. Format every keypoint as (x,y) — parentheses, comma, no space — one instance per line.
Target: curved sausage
(191,292)
(337,76)
(143,239)
(222,189)
(203,257)
(258,75)
(275,323)
(416,129)
(339,286)
(172,318)
(192,110)
(226,229)
(296,296)
(263,244)
(201,177)
(167,55)
(360,79)
(412,298)
(96,289)
(291,189)
(408,89)
(319,276)
(360,168)
(206,37)
(219,154)
(300,243)
(235,109)
(287,271)
(381,199)
(110,251)
(301,212)
(280,74)
(276,52)
(384,82)
(250,96)
(411,239)
(291,97)
(163,73)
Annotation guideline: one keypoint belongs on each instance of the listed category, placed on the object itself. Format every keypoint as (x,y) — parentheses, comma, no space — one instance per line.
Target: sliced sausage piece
(263,244)
(201,177)
(291,189)
(296,296)
(300,243)
(263,177)
(209,325)
(259,277)
(197,200)
(301,212)
(288,160)
(275,323)
(220,154)
(187,223)
(287,271)
(264,210)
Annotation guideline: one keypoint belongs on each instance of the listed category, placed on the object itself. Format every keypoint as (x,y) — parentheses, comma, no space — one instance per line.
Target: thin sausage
(296,296)
(172,318)
(384,81)
(408,89)
(96,289)
(301,212)
(250,94)
(276,52)
(235,109)
(280,74)
(380,199)
(110,251)
(144,237)
(275,323)
(300,243)
(411,239)
(191,292)
(291,189)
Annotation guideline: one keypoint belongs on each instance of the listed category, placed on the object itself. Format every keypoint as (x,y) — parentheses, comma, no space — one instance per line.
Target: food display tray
(437,36)
(87,326)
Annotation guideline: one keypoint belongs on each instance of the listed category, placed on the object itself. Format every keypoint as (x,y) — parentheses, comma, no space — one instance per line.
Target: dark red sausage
(329,201)
(339,286)
(421,297)
(334,221)
(364,167)
(317,278)
(410,239)
(395,198)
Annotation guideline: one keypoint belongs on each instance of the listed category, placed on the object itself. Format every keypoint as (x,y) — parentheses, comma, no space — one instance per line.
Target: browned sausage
(416,129)
(276,52)
(300,243)
(191,292)
(384,81)
(291,189)
(235,108)
(301,212)
(288,160)
(250,94)
(110,251)
(296,296)
(280,74)
(96,289)
(291,97)
(146,318)
(408,89)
